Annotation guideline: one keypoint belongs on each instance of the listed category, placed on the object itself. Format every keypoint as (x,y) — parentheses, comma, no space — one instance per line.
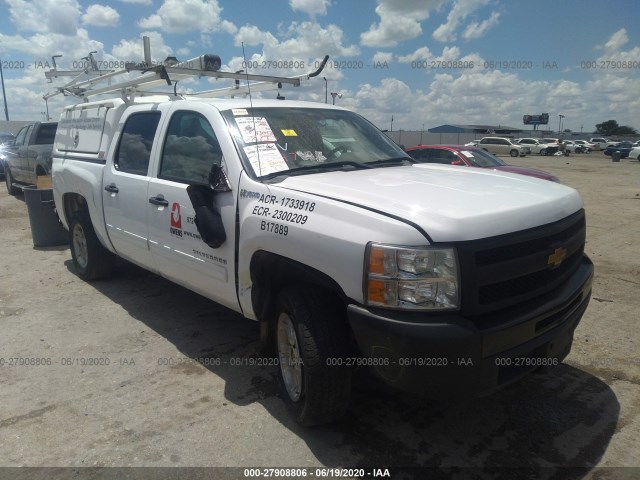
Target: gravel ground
(120,387)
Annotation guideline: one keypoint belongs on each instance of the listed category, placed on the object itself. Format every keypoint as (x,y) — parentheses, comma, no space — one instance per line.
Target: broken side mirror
(207,219)
(218,180)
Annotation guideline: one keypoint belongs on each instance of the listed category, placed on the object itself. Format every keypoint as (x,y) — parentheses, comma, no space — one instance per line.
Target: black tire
(90,259)
(317,322)
(543,151)
(514,153)
(11,190)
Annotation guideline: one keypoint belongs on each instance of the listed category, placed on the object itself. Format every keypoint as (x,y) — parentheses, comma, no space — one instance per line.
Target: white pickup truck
(305,217)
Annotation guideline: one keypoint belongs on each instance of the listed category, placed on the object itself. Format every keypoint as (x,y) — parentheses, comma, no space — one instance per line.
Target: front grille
(503,271)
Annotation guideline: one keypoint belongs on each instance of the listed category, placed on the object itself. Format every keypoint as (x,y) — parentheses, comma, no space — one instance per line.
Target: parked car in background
(472,143)
(502,146)
(536,146)
(601,142)
(6,138)
(623,147)
(29,156)
(587,146)
(573,147)
(635,153)
(471,157)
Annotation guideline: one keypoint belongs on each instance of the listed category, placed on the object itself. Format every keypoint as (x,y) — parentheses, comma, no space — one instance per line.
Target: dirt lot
(145,402)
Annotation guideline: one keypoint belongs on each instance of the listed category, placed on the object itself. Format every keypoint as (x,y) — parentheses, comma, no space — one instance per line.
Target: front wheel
(90,258)
(11,190)
(543,151)
(311,341)
(514,153)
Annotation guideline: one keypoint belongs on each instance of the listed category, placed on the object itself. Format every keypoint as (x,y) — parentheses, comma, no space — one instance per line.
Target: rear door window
(134,150)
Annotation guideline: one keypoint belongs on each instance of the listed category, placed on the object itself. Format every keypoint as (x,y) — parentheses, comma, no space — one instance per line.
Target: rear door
(125,184)
(40,150)
(18,160)
(190,146)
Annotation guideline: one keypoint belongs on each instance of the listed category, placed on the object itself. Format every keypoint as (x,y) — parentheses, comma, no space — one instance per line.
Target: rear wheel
(11,190)
(90,258)
(311,341)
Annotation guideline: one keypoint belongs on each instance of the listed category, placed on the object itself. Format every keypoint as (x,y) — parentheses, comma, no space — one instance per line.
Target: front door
(190,148)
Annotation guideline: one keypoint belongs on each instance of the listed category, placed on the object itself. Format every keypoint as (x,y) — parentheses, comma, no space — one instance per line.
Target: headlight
(421,278)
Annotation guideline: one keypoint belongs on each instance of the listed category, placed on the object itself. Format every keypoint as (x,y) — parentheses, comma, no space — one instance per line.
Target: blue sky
(576,58)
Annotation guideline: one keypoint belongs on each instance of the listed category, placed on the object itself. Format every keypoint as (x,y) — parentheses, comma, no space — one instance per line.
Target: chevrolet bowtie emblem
(556,258)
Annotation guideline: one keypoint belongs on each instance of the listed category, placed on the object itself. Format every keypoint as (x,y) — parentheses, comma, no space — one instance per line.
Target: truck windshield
(295,141)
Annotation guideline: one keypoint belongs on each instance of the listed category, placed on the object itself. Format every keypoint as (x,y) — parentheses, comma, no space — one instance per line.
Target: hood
(450,203)
(532,172)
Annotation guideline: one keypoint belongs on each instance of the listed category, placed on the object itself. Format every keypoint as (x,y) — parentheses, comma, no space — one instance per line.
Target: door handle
(112,188)
(159,201)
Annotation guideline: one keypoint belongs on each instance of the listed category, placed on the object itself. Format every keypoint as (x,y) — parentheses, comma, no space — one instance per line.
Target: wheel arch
(40,170)
(72,204)
(270,273)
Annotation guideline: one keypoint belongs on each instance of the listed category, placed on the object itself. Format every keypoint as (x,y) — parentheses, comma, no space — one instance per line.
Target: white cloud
(459,12)
(41,47)
(140,2)
(399,21)
(251,35)
(305,40)
(391,96)
(183,53)
(381,57)
(53,16)
(101,16)
(478,29)
(182,16)
(309,39)
(228,27)
(423,53)
(617,41)
(310,7)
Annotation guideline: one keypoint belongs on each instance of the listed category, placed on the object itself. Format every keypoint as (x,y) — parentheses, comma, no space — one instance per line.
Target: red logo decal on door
(176,220)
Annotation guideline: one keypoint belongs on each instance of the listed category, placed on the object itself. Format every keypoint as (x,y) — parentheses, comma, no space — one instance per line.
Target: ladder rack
(137,79)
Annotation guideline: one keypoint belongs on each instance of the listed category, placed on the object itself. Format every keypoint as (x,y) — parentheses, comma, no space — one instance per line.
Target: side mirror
(457,162)
(218,180)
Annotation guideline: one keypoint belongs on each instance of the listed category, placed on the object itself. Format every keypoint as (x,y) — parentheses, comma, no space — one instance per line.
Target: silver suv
(501,146)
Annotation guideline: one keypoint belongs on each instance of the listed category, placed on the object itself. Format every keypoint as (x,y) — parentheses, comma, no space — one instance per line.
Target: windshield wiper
(318,166)
(392,161)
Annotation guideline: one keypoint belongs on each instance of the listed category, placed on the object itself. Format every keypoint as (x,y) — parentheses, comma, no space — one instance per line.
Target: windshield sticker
(239,111)
(309,156)
(265,159)
(255,129)
(466,153)
(289,133)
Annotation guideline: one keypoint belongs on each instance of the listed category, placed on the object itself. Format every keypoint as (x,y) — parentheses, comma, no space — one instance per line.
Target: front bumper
(450,355)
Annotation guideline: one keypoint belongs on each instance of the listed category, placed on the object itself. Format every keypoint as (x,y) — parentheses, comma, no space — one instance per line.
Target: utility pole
(4,95)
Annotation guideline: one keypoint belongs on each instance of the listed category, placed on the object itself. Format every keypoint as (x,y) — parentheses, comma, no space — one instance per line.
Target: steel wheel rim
(289,356)
(80,246)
